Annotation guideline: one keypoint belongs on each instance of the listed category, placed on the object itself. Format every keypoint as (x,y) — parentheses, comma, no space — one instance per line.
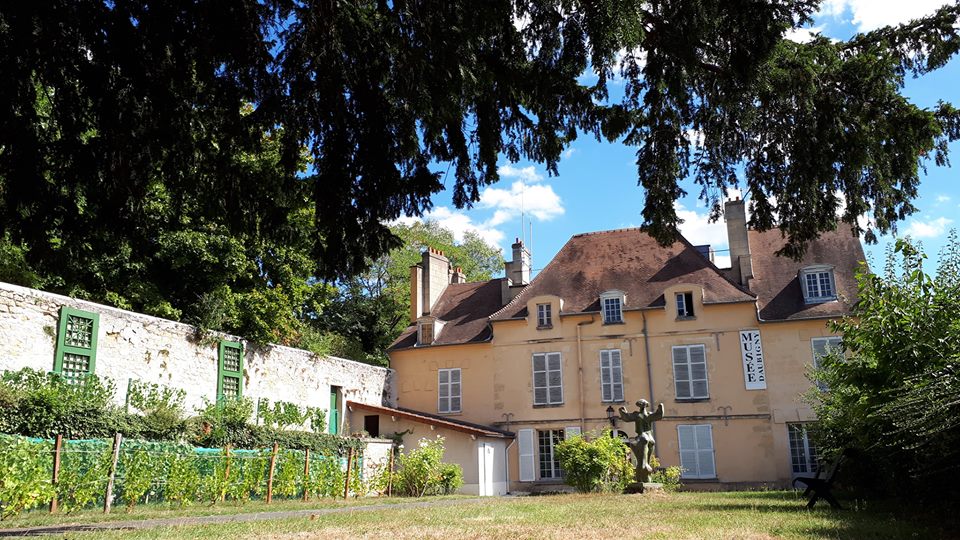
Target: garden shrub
(601,464)
(421,471)
(668,476)
(25,470)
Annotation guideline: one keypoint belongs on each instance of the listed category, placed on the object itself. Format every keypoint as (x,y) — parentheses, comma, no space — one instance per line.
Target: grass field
(746,515)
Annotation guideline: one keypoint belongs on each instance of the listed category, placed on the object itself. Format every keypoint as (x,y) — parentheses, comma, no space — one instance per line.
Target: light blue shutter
(539,379)
(681,372)
(555,377)
(606,381)
(527,456)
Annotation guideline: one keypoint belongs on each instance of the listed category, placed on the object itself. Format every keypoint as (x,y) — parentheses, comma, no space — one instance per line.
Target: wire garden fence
(69,475)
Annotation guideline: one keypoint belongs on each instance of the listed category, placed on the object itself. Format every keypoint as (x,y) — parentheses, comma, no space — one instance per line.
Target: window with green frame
(76,355)
(230,371)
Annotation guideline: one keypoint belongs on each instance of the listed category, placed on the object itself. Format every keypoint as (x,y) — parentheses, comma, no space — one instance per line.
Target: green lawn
(746,515)
(163,511)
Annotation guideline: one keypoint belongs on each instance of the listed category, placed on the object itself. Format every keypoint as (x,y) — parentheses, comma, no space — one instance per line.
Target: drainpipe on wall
(646,351)
(506,463)
(580,370)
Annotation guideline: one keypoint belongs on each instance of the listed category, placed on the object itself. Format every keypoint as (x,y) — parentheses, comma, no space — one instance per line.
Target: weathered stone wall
(136,346)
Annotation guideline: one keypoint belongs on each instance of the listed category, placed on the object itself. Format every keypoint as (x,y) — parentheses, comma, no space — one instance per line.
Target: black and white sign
(754,374)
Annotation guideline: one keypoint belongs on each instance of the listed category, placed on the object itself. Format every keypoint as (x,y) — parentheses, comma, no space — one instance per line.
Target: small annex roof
(629,260)
(464,309)
(776,279)
(479,430)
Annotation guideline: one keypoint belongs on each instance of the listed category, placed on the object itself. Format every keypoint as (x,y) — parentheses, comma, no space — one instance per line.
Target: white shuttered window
(696,451)
(690,372)
(448,386)
(611,376)
(547,379)
(526,443)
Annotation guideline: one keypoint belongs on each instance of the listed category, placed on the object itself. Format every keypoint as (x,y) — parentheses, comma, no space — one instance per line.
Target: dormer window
(544,316)
(611,305)
(685,305)
(818,284)
(425,333)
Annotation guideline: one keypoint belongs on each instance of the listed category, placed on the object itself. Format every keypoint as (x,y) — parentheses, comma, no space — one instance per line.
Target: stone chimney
(436,277)
(457,275)
(416,292)
(518,270)
(741,264)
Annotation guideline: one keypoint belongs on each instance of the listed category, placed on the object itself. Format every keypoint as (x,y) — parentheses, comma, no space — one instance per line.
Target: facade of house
(615,318)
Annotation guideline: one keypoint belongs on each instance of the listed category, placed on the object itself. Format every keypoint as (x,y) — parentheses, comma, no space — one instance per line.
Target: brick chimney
(518,270)
(436,277)
(457,275)
(741,264)
(416,292)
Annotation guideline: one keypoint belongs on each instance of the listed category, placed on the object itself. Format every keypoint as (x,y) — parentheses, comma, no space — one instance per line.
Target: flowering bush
(600,464)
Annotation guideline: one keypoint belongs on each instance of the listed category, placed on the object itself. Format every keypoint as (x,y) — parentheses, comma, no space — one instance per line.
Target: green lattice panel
(75,366)
(79,332)
(231,386)
(231,359)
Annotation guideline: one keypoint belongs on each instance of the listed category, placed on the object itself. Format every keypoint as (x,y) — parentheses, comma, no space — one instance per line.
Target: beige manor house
(518,365)
(506,368)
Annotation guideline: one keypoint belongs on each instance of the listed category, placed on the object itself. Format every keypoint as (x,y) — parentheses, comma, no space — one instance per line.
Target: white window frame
(611,376)
(685,311)
(547,357)
(445,403)
(830,343)
(689,381)
(692,460)
(807,451)
(611,297)
(554,436)
(544,315)
(822,275)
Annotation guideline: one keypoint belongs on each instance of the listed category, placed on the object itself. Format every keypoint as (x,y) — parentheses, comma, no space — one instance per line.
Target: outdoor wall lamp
(612,417)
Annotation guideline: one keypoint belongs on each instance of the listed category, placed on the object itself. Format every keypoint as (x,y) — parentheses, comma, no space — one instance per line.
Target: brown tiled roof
(434,420)
(776,279)
(464,308)
(628,260)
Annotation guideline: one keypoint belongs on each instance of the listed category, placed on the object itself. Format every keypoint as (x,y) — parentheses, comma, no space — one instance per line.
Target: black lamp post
(612,417)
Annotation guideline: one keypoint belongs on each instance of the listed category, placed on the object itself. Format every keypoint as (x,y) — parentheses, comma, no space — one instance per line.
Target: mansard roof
(629,260)
(776,279)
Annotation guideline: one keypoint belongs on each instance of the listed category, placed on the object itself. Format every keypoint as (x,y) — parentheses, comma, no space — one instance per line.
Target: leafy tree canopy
(895,395)
(134,169)
(373,307)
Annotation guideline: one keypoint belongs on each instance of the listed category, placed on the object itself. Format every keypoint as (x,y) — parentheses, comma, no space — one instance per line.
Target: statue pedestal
(643,487)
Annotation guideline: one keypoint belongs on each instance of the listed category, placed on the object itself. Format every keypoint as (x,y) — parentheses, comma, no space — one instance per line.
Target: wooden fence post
(390,475)
(346,484)
(57,446)
(273,465)
(108,496)
(306,475)
(226,473)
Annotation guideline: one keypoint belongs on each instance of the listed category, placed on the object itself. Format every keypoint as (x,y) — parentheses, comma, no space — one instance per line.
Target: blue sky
(596,188)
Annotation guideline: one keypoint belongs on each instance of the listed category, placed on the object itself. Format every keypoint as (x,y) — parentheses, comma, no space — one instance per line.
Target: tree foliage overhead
(373,307)
(130,159)
(895,395)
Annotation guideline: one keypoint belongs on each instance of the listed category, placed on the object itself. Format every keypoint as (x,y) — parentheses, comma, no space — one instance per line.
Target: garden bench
(820,485)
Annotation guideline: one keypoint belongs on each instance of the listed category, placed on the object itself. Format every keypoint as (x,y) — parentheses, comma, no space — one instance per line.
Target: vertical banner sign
(754,374)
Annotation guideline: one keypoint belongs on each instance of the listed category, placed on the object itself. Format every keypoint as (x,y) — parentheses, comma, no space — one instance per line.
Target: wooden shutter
(527,455)
(555,377)
(616,375)
(455,390)
(704,434)
(539,379)
(76,354)
(696,451)
(698,371)
(443,390)
(681,372)
(606,378)
(230,372)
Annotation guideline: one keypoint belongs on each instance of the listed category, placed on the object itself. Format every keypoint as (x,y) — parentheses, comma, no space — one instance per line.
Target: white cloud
(459,224)
(927,229)
(803,35)
(872,14)
(538,200)
(569,152)
(696,228)
(943,198)
(528,174)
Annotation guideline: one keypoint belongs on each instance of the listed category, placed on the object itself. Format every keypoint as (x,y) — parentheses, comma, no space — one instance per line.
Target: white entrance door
(485,463)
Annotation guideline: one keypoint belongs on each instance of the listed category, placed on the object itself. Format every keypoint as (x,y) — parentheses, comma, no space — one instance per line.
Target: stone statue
(643,444)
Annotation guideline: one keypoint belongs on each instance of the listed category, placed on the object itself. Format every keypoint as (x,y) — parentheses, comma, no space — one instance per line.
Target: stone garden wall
(136,346)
